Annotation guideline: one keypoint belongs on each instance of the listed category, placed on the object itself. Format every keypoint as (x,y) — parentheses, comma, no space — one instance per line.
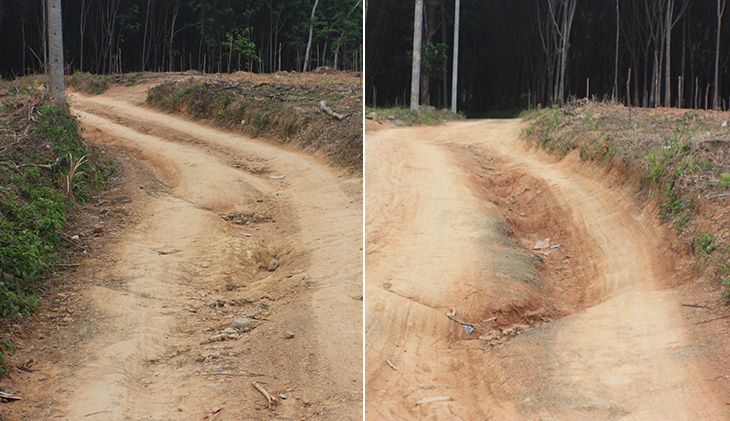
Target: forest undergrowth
(679,157)
(425,116)
(45,170)
(325,118)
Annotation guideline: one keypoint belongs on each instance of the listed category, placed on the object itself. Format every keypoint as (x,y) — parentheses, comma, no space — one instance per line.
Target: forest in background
(511,52)
(115,36)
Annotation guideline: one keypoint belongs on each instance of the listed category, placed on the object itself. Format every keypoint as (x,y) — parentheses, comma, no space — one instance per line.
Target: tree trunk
(615,60)
(720,12)
(344,32)
(172,35)
(455,66)
(82,28)
(668,51)
(145,49)
(55,43)
(568,14)
(45,37)
(682,71)
(309,41)
(416,67)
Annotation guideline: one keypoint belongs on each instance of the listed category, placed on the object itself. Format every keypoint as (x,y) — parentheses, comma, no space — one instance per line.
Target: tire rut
(158,354)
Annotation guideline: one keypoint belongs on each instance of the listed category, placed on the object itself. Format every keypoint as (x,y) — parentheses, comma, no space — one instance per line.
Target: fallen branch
(244,374)
(712,320)
(391,365)
(269,397)
(70,240)
(697,306)
(451,314)
(327,110)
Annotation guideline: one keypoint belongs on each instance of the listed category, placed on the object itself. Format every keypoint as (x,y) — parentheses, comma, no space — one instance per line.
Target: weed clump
(425,116)
(284,112)
(89,83)
(680,157)
(39,143)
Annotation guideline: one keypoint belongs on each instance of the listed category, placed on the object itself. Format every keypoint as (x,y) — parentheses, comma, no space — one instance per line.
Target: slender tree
(455,66)
(614,94)
(668,26)
(309,42)
(416,68)
(716,83)
(567,7)
(85,7)
(55,53)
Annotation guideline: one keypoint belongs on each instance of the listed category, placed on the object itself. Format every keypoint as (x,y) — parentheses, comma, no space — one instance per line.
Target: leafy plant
(724,180)
(5,346)
(67,180)
(704,244)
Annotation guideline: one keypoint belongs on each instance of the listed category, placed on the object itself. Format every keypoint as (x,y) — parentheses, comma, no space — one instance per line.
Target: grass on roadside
(285,112)
(425,116)
(683,157)
(89,83)
(40,147)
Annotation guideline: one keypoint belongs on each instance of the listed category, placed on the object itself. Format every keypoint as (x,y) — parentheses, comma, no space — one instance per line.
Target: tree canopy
(510,52)
(108,36)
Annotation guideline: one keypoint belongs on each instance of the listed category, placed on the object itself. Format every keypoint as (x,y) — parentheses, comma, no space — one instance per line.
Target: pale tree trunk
(668,56)
(344,31)
(416,69)
(615,60)
(720,12)
(455,66)
(309,42)
(55,44)
(549,41)
(683,74)
(568,14)
(563,28)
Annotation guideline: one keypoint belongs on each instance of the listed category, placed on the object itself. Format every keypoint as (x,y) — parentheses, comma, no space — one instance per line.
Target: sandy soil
(152,335)
(593,329)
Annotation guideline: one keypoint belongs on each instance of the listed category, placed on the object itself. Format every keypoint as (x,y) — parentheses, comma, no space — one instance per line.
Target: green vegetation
(675,156)
(89,83)
(5,346)
(41,147)
(425,116)
(724,180)
(285,112)
(723,263)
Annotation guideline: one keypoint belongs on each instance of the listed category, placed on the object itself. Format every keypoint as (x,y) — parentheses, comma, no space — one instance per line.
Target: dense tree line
(519,52)
(107,36)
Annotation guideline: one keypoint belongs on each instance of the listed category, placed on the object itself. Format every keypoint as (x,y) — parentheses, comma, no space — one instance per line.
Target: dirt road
(435,241)
(188,308)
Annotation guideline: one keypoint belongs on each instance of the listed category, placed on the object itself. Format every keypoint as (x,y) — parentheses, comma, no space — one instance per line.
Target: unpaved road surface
(602,332)
(156,336)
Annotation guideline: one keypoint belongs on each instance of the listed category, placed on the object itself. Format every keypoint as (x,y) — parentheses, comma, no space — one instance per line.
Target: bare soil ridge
(621,347)
(185,308)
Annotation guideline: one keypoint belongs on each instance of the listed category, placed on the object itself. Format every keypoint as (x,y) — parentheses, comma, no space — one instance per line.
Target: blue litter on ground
(468,328)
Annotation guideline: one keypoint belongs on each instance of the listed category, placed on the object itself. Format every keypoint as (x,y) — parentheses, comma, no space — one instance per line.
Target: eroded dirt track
(433,243)
(161,344)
